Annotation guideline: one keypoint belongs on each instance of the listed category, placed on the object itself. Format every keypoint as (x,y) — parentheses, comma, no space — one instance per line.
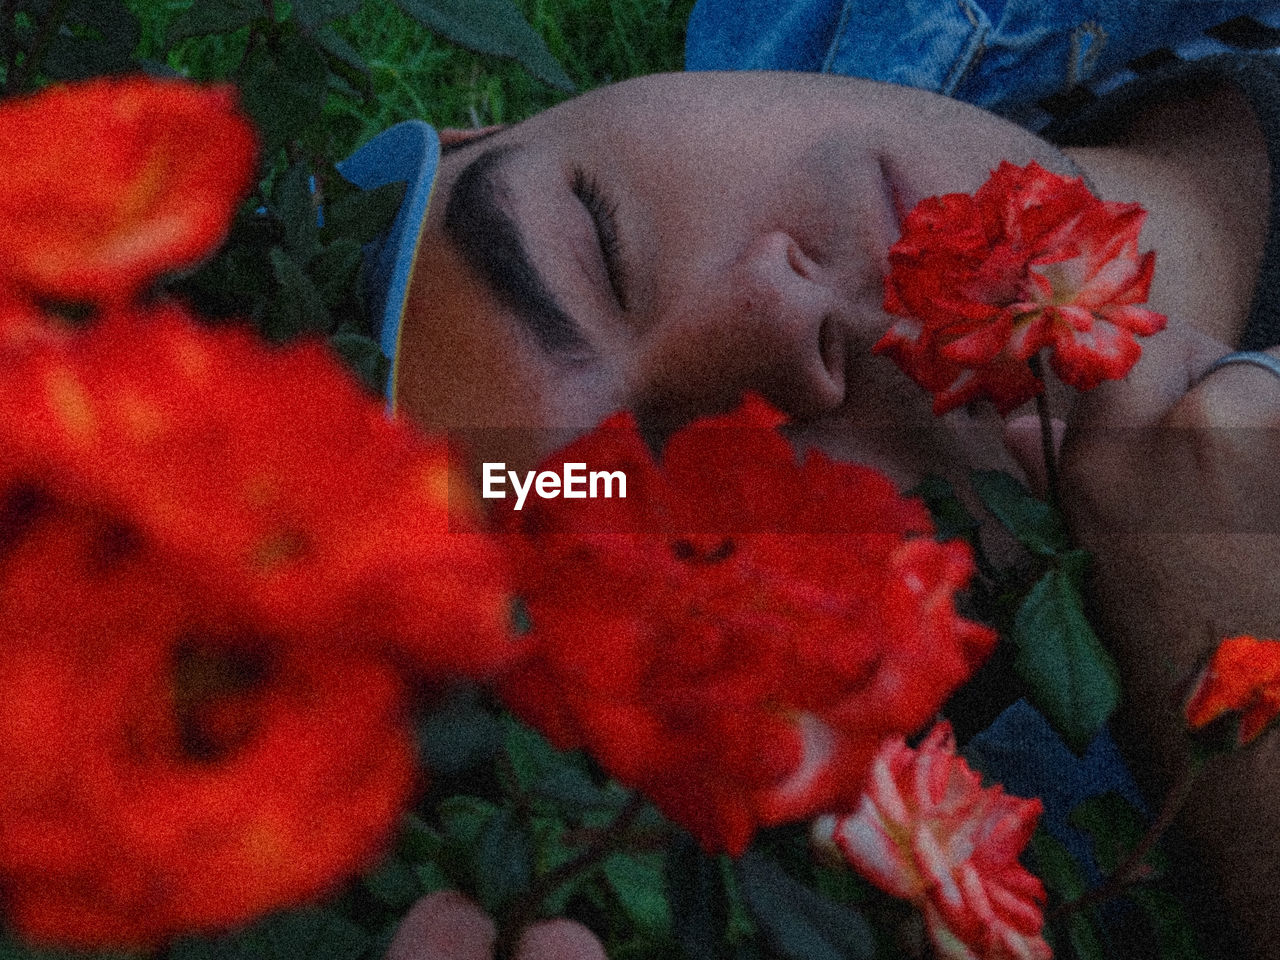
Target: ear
(452,136)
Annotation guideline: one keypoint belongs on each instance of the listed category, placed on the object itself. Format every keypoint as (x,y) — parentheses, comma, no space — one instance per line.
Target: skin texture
(753,215)
(448,926)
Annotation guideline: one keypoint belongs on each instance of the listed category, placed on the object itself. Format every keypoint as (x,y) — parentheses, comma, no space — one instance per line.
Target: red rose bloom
(737,636)
(209,564)
(1243,677)
(1033,260)
(169,768)
(272,473)
(111,182)
(928,831)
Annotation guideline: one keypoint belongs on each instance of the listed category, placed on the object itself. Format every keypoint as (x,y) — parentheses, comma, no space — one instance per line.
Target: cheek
(887,422)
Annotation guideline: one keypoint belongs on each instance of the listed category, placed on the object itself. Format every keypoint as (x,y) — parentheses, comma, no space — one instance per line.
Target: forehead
(712,106)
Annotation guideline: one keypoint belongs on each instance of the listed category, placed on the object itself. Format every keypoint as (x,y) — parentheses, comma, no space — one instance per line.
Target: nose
(769,323)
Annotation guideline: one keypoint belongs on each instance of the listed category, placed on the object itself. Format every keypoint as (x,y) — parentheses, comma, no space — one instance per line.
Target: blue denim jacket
(998,54)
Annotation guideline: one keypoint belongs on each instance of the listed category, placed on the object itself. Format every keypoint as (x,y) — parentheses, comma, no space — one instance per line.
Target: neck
(1200,169)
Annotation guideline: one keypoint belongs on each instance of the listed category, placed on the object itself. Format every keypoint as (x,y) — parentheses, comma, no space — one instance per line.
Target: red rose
(737,636)
(269,471)
(1243,677)
(111,182)
(1033,260)
(169,766)
(210,564)
(927,831)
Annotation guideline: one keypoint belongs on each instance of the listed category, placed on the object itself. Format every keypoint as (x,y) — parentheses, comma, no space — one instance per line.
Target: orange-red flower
(737,636)
(1033,260)
(111,182)
(168,767)
(1243,677)
(210,563)
(270,472)
(927,831)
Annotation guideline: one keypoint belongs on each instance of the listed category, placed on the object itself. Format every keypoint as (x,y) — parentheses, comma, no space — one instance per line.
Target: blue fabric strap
(409,152)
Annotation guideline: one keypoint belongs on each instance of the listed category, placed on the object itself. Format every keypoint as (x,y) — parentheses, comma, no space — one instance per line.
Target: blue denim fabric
(998,54)
(1023,753)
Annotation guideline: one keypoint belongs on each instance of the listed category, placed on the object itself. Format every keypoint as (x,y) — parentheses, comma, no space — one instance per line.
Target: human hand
(448,926)
(1171,482)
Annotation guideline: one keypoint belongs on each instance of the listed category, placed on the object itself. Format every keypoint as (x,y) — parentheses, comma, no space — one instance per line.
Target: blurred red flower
(214,555)
(737,636)
(1243,677)
(272,473)
(210,565)
(168,767)
(1033,260)
(111,182)
(927,831)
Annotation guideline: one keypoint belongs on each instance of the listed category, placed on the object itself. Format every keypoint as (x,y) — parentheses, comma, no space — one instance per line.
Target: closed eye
(603,213)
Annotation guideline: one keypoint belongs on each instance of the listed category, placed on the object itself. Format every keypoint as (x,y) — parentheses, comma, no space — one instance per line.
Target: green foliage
(490,26)
(699,900)
(1115,825)
(1035,524)
(304,934)
(796,922)
(1072,678)
(204,17)
(950,516)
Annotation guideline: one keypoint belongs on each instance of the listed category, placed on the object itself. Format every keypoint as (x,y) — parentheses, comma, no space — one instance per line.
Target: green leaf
(551,851)
(1115,825)
(1072,678)
(334,269)
(214,16)
(698,899)
(365,214)
(431,877)
(1064,879)
(1169,922)
(503,861)
(285,92)
(308,934)
(393,883)
(950,515)
(638,884)
(363,358)
(100,38)
(460,735)
(796,922)
(1056,868)
(295,207)
(334,44)
(1083,935)
(490,26)
(463,818)
(313,13)
(573,792)
(544,771)
(420,843)
(298,307)
(1034,523)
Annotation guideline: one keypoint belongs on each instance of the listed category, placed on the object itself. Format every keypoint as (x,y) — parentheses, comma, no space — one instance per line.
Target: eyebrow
(492,245)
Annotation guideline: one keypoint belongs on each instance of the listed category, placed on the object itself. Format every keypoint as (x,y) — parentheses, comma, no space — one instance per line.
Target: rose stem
(1047,445)
(526,908)
(1131,869)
